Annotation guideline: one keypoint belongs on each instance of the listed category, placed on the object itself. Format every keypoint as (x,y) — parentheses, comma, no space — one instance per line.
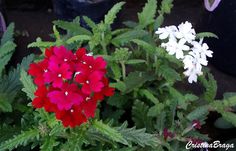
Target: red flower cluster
(70,84)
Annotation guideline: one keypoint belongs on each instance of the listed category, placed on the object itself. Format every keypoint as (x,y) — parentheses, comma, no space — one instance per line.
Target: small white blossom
(177,48)
(167,32)
(202,48)
(182,43)
(186,32)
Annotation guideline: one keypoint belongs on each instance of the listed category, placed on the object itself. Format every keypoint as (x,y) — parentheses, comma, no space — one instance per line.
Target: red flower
(57,73)
(196,124)
(37,70)
(106,90)
(41,100)
(70,84)
(90,82)
(62,55)
(73,117)
(66,97)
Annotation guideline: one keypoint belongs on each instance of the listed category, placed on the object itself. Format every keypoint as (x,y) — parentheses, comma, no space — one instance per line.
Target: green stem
(123,69)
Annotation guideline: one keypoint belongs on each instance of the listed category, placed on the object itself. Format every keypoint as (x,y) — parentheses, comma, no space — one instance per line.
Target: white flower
(177,48)
(202,48)
(182,43)
(166,32)
(186,32)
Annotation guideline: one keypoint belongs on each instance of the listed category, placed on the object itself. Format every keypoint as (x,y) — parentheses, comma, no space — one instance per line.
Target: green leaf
(135,61)
(119,85)
(206,34)
(41,44)
(210,86)
(138,136)
(78,38)
(128,36)
(223,124)
(230,117)
(198,113)
(72,27)
(22,139)
(117,100)
(116,71)
(166,6)
(89,22)
(48,144)
(112,13)
(139,115)
(136,79)
(8,34)
(110,132)
(29,87)
(145,45)
(168,73)
(149,95)
(5,106)
(156,110)
(130,24)
(146,17)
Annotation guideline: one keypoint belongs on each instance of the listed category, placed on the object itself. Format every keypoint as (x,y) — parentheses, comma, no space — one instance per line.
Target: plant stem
(123,69)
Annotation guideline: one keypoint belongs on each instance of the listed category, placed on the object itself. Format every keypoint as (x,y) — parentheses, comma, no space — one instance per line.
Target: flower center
(87,98)
(65,60)
(45,70)
(66,93)
(90,67)
(71,110)
(84,62)
(59,75)
(77,73)
(87,81)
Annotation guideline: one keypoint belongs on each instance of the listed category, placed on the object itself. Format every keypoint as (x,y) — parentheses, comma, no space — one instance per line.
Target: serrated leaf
(48,144)
(128,36)
(206,34)
(156,110)
(130,24)
(139,115)
(110,132)
(223,124)
(198,113)
(89,22)
(22,139)
(117,100)
(210,85)
(5,106)
(148,13)
(149,95)
(72,27)
(145,45)
(135,61)
(138,136)
(112,13)
(8,34)
(230,117)
(119,85)
(78,38)
(41,44)
(29,87)
(168,73)
(136,79)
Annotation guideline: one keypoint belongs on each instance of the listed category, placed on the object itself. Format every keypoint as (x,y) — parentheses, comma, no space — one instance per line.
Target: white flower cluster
(183,44)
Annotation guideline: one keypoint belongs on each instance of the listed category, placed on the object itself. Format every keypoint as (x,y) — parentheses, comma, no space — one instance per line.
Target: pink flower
(66,97)
(57,73)
(62,55)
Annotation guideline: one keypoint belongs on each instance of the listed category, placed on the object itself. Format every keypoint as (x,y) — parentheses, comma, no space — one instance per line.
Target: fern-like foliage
(7,47)
(28,85)
(22,139)
(138,136)
(112,13)
(10,84)
(140,115)
(148,14)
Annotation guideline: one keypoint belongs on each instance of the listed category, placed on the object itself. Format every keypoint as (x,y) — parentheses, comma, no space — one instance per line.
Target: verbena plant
(147,112)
